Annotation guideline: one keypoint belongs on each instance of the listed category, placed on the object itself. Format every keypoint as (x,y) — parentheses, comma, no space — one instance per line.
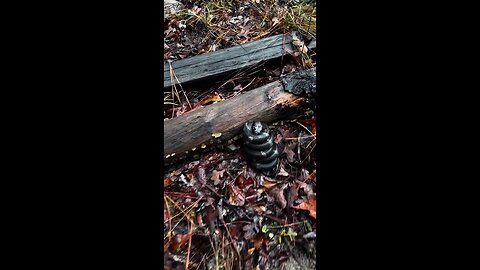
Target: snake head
(257,127)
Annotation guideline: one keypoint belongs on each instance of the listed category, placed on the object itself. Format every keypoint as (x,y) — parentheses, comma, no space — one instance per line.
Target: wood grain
(228,60)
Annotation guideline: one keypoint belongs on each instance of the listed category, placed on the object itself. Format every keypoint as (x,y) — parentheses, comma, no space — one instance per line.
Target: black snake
(261,151)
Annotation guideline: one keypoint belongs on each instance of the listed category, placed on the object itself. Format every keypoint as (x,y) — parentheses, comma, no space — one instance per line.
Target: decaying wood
(267,104)
(228,60)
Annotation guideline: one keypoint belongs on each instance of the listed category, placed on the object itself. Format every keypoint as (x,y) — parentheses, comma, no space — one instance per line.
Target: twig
(287,225)
(169,219)
(184,212)
(275,219)
(189,244)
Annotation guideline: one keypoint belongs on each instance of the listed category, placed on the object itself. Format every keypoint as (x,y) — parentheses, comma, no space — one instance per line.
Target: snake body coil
(260,148)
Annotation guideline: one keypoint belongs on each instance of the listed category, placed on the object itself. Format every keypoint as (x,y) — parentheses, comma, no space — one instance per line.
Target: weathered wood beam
(227,60)
(268,103)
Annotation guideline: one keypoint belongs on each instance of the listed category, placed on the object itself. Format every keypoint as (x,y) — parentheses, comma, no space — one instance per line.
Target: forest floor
(218,212)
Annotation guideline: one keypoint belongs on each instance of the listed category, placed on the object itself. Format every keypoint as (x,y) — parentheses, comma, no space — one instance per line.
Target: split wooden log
(268,103)
(228,60)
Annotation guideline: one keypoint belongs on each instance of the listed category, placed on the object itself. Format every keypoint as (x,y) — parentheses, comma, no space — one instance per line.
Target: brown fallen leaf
(292,194)
(290,152)
(179,241)
(312,123)
(243,183)
(166,181)
(307,188)
(236,196)
(278,138)
(211,216)
(268,183)
(310,205)
(259,240)
(202,176)
(210,98)
(216,175)
(251,195)
(277,194)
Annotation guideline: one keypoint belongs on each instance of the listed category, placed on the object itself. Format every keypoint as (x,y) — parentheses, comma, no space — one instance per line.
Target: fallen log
(228,60)
(268,103)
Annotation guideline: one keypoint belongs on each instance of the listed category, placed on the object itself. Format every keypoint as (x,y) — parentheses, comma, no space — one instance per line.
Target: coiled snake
(261,150)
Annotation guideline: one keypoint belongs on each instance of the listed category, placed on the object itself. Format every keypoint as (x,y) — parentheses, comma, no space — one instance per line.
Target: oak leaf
(310,205)
(216,175)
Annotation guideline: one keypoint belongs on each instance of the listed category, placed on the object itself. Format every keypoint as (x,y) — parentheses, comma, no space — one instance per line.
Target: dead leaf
(306,188)
(243,183)
(278,138)
(303,175)
(282,172)
(251,196)
(260,209)
(210,98)
(289,151)
(216,175)
(312,123)
(211,216)
(191,179)
(259,240)
(249,230)
(267,183)
(277,194)
(200,220)
(202,176)
(166,181)
(239,180)
(292,194)
(179,241)
(236,196)
(235,230)
(310,205)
